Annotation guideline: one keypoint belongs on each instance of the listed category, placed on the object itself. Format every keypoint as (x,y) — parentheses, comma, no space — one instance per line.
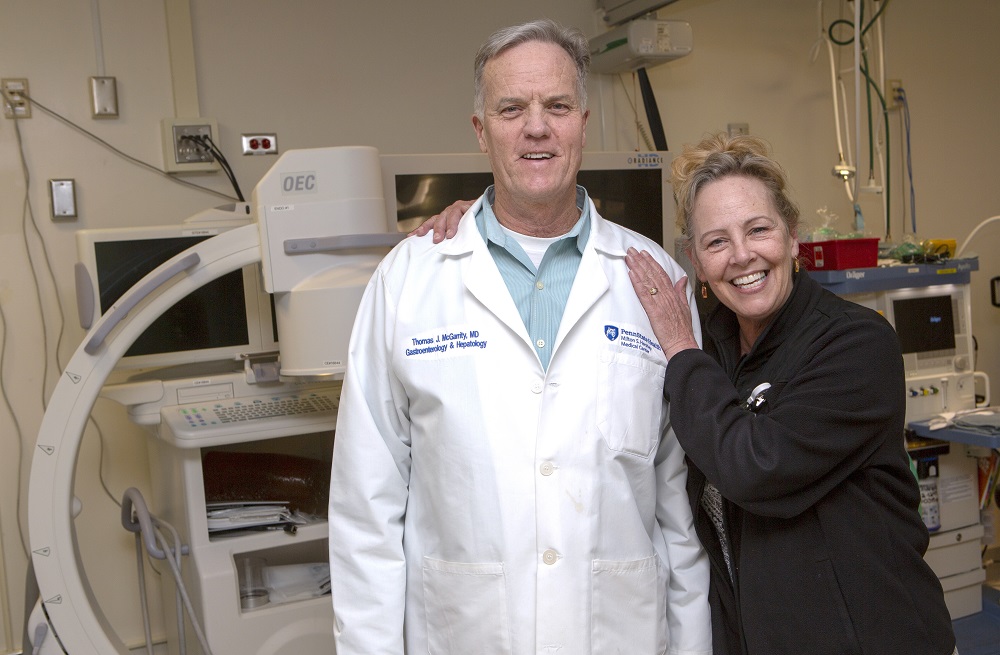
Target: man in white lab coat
(504,476)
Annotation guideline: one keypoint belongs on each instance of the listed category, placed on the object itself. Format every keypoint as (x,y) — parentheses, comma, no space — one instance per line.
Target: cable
(638,124)
(909,161)
(885,116)
(968,239)
(28,213)
(135,518)
(205,142)
(862,69)
(652,112)
(17,433)
(127,157)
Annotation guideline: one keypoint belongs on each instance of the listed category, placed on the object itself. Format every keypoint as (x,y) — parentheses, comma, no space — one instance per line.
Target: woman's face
(742,249)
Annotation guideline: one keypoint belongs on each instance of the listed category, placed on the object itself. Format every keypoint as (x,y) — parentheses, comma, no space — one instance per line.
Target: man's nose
(536,122)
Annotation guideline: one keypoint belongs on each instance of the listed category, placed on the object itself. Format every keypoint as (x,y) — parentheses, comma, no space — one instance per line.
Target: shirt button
(540,343)
(550,557)
(536,387)
(539,285)
(546,468)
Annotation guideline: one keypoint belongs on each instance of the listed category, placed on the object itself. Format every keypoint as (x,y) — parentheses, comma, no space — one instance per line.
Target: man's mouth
(537,155)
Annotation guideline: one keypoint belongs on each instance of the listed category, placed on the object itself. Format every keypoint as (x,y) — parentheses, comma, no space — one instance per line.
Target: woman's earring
(704,290)
(796,260)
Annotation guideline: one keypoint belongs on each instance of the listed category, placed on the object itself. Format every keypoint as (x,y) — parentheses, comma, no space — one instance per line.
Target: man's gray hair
(569,39)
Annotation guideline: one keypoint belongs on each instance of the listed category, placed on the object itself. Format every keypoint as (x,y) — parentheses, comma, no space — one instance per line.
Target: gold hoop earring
(796,260)
(704,290)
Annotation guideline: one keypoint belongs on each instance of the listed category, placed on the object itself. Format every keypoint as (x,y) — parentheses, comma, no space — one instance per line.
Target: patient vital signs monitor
(934,326)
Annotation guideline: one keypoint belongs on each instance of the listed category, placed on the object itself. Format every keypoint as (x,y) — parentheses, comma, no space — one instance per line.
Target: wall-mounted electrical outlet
(260,143)
(104,97)
(894,95)
(184,149)
(15,97)
(735,129)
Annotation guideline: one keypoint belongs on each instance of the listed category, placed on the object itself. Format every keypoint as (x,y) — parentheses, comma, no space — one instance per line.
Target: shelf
(884,278)
(246,541)
(922,429)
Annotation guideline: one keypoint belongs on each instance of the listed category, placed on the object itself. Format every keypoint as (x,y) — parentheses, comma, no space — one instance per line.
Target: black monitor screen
(629,197)
(213,316)
(924,324)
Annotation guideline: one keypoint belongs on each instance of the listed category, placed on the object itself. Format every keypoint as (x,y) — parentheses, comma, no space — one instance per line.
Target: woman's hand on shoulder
(445,224)
(665,302)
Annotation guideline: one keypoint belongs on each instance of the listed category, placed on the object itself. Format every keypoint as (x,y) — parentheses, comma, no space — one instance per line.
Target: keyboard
(218,418)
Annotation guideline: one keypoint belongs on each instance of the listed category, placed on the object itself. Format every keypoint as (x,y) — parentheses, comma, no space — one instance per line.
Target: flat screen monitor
(629,188)
(933,325)
(925,324)
(226,318)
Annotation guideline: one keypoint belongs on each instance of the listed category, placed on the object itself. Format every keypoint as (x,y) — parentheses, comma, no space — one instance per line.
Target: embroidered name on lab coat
(446,342)
(630,337)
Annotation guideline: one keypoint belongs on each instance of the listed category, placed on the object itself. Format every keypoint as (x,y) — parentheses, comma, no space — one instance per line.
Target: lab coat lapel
(480,273)
(592,280)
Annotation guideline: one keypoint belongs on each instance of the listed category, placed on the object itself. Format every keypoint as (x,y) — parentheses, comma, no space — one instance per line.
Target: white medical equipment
(934,324)
(320,231)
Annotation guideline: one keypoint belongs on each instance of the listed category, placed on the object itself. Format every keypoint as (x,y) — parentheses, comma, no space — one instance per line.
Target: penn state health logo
(611,332)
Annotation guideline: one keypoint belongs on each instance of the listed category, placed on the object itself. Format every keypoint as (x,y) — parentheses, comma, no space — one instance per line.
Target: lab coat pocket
(629,402)
(629,607)
(466,608)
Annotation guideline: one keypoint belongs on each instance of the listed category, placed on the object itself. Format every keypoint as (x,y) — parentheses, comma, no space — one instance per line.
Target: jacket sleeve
(368,490)
(688,613)
(842,399)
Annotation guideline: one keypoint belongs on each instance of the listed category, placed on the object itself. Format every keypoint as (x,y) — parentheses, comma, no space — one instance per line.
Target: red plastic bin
(839,254)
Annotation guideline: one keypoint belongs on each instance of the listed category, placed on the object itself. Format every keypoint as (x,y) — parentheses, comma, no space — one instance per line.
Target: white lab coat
(480,504)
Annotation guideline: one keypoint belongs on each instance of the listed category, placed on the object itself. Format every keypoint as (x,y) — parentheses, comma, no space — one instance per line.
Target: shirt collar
(489,226)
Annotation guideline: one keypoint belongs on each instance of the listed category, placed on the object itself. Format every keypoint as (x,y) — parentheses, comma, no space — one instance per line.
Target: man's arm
(368,491)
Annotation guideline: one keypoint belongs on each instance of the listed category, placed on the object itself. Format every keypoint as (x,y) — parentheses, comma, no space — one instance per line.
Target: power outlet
(260,143)
(181,152)
(894,98)
(15,97)
(737,129)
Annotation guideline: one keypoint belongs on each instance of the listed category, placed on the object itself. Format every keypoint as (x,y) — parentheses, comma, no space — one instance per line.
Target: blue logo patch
(611,332)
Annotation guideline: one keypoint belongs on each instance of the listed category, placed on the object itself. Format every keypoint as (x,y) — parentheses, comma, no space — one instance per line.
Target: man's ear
(478,126)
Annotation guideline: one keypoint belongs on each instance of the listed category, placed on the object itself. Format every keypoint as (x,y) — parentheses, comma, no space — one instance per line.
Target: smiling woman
(803,498)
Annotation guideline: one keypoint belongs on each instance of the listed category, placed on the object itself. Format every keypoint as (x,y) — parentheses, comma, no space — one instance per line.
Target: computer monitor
(629,188)
(227,318)
(934,326)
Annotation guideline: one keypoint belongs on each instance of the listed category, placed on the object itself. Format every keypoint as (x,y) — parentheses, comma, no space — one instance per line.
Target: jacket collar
(722,327)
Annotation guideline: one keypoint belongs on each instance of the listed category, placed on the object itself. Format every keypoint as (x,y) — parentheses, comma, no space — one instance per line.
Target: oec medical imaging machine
(318,232)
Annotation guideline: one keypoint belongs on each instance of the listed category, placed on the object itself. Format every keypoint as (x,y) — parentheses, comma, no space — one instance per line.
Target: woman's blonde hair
(722,155)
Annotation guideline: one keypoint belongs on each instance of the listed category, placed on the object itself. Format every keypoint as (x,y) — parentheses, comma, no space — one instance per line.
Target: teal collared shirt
(539,294)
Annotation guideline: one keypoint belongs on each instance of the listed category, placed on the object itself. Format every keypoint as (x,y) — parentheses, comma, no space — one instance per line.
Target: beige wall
(397,75)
